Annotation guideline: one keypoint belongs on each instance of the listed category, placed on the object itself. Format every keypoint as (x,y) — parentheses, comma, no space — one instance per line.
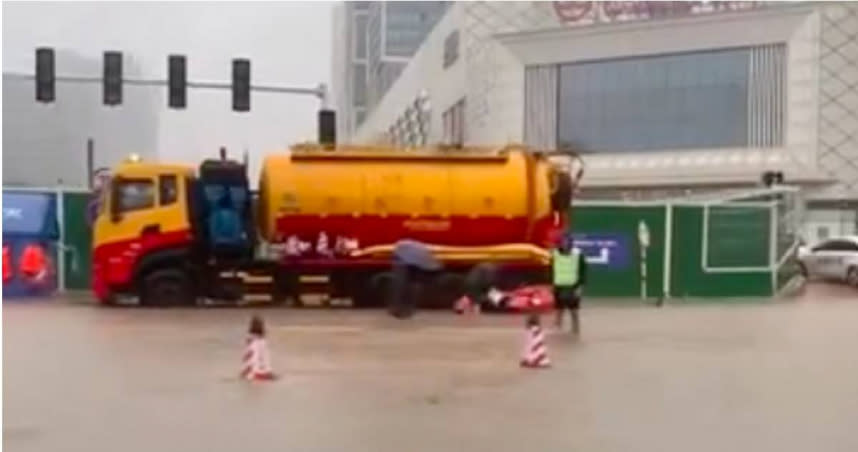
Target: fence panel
(738,236)
(690,279)
(610,235)
(77,237)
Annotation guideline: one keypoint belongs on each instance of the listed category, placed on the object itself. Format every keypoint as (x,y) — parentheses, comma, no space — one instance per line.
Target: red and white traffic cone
(465,305)
(256,361)
(535,353)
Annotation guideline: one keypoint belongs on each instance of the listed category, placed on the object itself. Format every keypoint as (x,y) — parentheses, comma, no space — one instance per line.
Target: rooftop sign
(588,13)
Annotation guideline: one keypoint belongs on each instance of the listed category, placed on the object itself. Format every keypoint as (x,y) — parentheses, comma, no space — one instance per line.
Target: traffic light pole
(112,81)
(321,91)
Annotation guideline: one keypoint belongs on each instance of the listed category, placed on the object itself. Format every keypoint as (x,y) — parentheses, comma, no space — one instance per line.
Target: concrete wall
(820,224)
(425,71)
(495,78)
(837,42)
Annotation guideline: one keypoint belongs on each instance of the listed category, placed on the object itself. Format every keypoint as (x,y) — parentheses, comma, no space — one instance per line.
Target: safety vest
(565,268)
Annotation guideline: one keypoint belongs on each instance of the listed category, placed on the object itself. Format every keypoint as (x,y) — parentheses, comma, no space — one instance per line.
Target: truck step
(255,298)
(315,290)
(313,300)
(322,300)
(248,278)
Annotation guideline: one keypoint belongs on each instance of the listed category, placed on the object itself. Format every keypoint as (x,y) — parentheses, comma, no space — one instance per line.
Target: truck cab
(158,224)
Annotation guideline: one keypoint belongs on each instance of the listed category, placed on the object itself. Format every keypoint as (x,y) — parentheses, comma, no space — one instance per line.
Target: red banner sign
(584,13)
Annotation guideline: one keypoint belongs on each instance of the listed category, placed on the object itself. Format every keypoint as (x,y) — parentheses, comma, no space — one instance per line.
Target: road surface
(778,376)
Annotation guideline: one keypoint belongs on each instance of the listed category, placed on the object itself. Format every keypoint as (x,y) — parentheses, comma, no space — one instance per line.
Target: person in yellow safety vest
(568,276)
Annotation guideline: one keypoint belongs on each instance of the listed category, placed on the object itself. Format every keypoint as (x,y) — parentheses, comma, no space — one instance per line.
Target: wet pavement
(778,376)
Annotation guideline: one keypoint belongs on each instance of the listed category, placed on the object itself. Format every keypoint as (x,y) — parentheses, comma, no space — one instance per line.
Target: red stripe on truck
(372,230)
(113,263)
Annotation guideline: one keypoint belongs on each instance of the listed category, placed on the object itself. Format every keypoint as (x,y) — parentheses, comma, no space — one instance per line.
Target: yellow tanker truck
(325,222)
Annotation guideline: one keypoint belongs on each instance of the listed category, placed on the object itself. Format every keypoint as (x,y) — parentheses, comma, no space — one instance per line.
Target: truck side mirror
(561,190)
(113,207)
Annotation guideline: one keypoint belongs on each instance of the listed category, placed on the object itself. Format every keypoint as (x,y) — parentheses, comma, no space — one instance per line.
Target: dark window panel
(679,101)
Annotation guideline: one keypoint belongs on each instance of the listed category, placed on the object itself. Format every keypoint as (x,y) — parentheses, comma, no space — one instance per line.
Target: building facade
(659,97)
(372,44)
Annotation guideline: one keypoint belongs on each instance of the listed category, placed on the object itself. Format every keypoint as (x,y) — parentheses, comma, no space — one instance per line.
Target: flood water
(776,376)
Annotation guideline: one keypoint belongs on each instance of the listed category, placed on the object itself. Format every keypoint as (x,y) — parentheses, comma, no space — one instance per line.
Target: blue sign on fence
(610,250)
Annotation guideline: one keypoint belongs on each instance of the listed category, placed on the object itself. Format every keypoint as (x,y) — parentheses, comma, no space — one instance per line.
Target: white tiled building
(372,44)
(657,95)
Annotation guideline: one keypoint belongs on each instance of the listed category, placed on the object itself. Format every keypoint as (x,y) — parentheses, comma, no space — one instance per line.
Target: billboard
(609,251)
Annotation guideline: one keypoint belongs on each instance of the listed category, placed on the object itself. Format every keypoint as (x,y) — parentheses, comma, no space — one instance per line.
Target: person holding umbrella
(412,263)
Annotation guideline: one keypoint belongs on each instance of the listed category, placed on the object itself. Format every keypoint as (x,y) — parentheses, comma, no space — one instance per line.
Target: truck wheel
(167,288)
(378,290)
(285,288)
(448,289)
(109,301)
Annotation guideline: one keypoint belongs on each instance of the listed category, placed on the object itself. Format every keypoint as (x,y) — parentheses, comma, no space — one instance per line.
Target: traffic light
(241,85)
(45,77)
(178,81)
(327,128)
(112,81)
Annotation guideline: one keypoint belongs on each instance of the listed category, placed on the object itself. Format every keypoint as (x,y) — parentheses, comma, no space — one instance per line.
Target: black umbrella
(416,254)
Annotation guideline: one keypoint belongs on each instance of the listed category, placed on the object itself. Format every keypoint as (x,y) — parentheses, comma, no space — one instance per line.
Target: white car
(834,259)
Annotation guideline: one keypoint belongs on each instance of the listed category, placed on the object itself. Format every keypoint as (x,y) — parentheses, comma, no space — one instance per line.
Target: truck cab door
(141,208)
(129,208)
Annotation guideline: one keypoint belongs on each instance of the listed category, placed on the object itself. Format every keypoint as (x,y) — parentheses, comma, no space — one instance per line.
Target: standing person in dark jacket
(569,274)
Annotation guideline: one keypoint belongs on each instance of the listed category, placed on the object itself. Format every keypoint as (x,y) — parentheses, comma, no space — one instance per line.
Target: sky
(288,43)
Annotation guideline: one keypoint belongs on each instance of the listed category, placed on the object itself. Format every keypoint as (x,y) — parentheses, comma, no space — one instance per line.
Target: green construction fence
(77,240)
(695,250)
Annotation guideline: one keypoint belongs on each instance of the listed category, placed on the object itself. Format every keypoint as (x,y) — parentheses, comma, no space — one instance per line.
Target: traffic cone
(464,305)
(535,353)
(256,361)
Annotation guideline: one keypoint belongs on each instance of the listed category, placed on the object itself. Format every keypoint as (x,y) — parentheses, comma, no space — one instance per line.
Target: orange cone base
(264,376)
(534,365)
